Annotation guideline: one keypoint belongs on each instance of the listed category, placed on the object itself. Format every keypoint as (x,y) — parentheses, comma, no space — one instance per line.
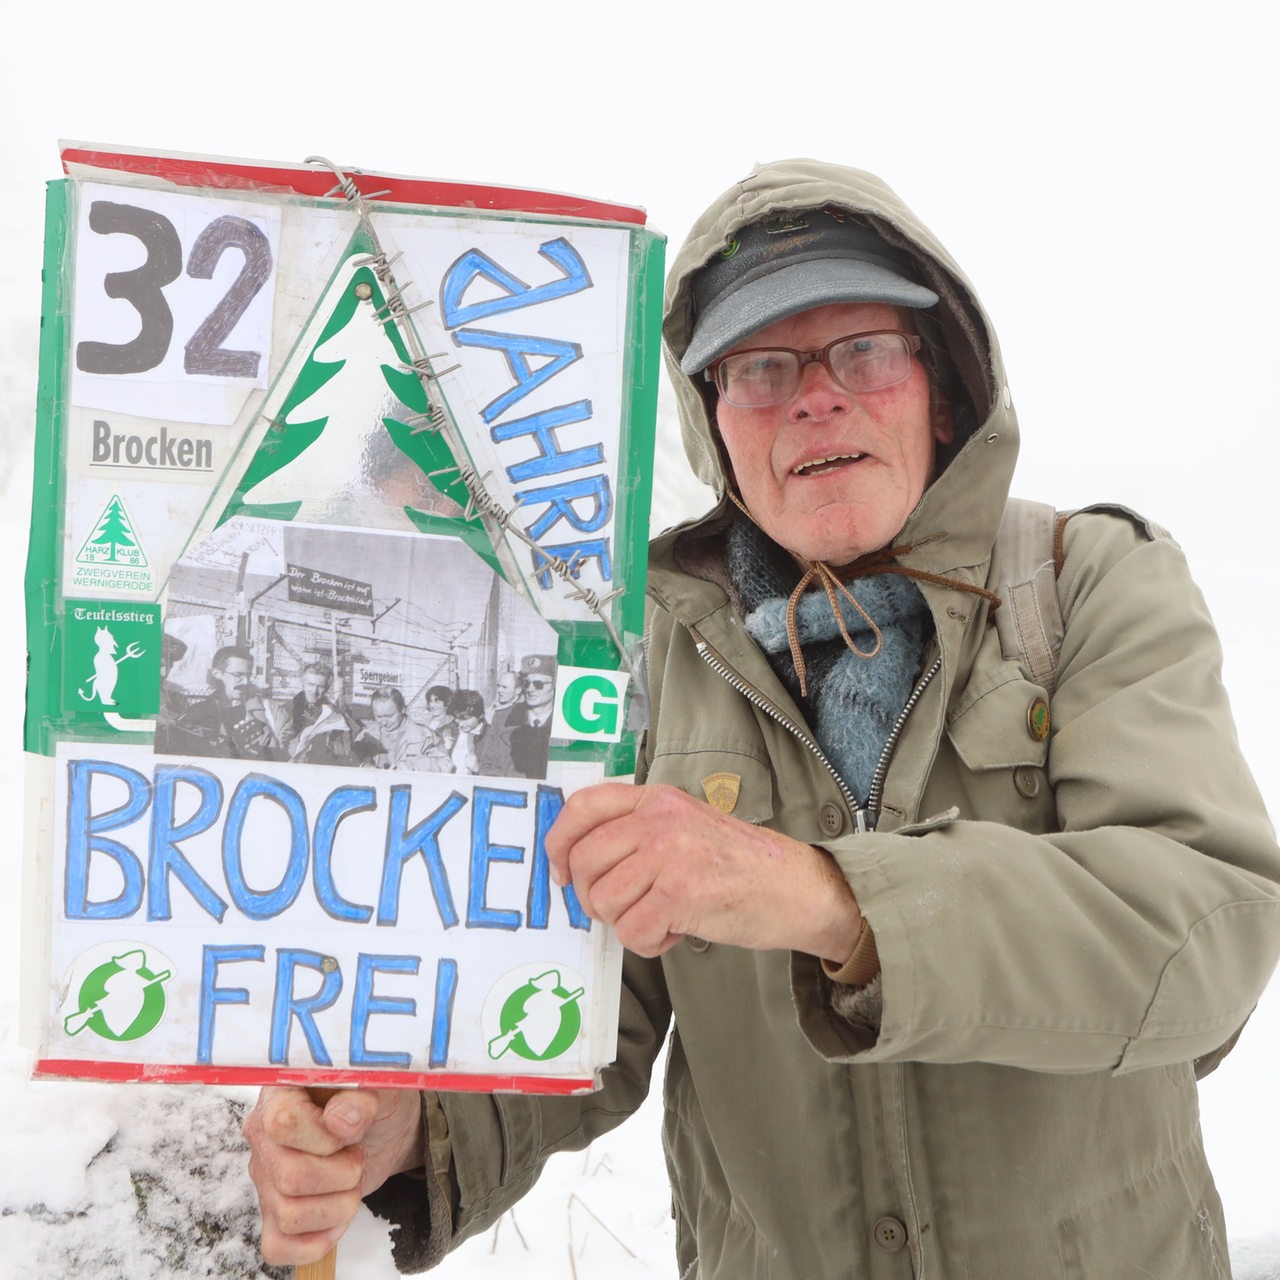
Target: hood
(966,499)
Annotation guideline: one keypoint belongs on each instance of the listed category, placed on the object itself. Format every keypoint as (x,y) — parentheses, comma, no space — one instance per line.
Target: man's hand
(657,864)
(312,1165)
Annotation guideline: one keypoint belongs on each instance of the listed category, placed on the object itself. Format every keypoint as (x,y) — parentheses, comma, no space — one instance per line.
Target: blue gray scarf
(850,700)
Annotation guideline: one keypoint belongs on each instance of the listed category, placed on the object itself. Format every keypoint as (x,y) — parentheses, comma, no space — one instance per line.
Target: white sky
(1103,172)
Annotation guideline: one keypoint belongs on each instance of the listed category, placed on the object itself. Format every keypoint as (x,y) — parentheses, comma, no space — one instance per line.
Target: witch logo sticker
(539,1020)
(121,999)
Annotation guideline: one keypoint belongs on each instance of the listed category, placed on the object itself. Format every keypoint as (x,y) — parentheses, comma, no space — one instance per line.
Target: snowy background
(1104,173)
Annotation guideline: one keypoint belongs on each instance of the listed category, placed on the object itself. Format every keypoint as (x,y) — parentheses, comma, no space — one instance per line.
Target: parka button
(831,819)
(1027,779)
(889,1234)
(696,943)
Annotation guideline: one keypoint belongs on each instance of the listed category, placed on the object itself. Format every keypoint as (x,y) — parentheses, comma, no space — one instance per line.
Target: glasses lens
(869,361)
(757,378)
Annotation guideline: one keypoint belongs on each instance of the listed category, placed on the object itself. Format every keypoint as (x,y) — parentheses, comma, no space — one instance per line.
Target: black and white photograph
(320,645)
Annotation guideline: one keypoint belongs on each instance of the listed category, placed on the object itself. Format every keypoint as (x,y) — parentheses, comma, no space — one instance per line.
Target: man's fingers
(304,1230)
(585,811)
(289,1118)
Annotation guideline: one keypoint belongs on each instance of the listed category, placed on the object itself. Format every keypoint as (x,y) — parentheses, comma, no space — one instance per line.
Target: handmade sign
(335,591)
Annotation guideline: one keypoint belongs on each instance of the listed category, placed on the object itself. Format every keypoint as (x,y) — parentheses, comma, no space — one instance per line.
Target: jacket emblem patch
(721,790)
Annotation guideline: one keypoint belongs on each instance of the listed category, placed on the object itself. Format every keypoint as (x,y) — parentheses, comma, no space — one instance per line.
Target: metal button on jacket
(831,819)
(889,1234)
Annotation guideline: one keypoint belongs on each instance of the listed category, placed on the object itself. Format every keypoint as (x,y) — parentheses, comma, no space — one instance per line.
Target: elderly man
(942,945)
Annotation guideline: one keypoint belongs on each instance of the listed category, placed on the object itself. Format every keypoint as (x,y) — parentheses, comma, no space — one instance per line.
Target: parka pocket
(1169,1224)
(1000,739)
(731,781)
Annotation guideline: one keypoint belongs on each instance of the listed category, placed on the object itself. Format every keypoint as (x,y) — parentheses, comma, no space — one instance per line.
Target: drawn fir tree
(347,444)
(114,531)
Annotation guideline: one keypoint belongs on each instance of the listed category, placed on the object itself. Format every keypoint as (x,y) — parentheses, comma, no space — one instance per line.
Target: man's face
(386,715)
(507,687)
(831,475)
(435,706)
(234,679)
(538,689)
(314,686)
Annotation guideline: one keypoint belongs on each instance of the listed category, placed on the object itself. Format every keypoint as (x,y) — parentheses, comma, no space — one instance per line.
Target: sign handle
(327,1267)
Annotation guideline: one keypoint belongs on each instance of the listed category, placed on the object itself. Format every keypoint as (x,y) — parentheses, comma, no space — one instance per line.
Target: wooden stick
(327,1267)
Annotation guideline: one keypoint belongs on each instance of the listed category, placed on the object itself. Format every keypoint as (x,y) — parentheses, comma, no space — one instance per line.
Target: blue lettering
(442,1018)
(84,838)
(403,845)
(365,1004)
(165,837)
(560,498)
(286,1006)
(547,806)
(263,905)
(475,265)
(212,995)
(517,348)
(479,915)
(549,460)
(338,805)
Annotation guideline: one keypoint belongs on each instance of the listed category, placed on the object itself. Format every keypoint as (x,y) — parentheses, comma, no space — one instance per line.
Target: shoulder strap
(1023,574)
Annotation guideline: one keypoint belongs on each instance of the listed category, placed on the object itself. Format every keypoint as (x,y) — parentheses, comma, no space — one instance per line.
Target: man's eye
(764,365)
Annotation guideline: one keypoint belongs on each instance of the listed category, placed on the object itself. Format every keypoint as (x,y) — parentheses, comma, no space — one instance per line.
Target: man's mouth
(820,466)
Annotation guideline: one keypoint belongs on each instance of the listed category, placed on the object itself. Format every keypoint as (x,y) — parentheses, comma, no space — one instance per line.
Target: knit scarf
(851,698)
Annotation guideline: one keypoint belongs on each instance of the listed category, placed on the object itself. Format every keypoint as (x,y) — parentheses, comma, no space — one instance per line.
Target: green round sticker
(539,1020)
(122,999)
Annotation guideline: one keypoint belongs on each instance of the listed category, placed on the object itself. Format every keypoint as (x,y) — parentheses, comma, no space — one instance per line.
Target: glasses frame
(821,355)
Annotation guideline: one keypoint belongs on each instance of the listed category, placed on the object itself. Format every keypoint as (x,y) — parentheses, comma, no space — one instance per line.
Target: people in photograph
(306,708)
(941,886)
(506,691)
(466,708)
(401,741)
(438,719)
(517,742)
(233,720)
(528,724)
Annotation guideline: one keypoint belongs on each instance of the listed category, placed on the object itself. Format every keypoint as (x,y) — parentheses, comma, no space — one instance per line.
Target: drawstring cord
(832,580)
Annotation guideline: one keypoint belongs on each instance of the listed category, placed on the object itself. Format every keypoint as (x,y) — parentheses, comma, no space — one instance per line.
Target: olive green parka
(1065,923)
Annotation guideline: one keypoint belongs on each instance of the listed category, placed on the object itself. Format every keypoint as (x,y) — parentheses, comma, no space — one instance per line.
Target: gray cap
(778,268)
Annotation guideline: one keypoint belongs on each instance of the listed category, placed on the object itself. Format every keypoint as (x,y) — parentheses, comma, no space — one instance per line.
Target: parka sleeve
(1142,932)
(499,1142)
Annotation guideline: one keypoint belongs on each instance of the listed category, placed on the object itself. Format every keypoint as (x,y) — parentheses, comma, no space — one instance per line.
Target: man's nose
(819,396)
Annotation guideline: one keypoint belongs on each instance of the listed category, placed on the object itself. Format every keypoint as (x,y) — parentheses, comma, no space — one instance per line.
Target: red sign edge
(319,182)
(443,1081)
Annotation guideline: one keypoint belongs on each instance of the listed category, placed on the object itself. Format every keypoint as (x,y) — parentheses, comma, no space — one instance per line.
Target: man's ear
(941,420)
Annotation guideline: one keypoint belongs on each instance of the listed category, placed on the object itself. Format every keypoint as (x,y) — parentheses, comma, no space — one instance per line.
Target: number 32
(143,288)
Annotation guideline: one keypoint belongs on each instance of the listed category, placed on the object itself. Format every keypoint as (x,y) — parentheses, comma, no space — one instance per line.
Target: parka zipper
(864,818)
(876,795)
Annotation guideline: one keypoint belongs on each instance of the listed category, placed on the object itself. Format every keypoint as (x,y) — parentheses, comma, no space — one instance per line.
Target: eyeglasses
(861,362)
(537,682)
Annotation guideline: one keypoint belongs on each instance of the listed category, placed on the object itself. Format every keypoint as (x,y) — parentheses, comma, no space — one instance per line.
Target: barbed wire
(497,517)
